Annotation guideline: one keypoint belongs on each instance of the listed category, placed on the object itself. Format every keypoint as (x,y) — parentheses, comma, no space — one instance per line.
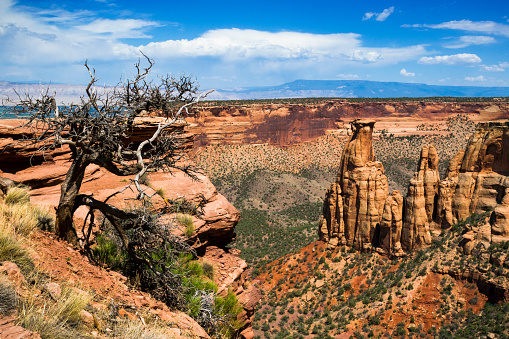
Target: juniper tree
(97,131)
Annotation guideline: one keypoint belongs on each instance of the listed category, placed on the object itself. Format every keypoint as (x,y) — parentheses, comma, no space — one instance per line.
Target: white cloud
(405,73)
(479,78)
(495,68)
(468,40)
(456,59)
(368,16)
(347,76)
(235,44)
(120,28)
(379,16)
(385,14)
(489,27)
(53,44)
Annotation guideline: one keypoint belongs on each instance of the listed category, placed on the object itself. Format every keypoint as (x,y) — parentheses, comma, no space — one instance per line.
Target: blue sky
(233,44)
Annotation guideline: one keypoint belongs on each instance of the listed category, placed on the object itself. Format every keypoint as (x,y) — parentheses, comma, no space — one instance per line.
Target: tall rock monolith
(354,204)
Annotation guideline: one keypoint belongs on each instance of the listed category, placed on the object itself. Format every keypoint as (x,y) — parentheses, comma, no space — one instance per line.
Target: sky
(239,44)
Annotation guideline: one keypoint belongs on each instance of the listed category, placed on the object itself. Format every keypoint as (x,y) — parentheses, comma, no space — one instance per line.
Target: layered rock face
(287,124)
(358,210)
(354,203)
(477,181)
(420,201)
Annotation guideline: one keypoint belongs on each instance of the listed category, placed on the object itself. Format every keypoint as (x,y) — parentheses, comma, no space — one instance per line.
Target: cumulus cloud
(456,59)
(368,16)
(479,78)
(120,28)
(379,16)
(487,27)
(235,44)
(406,74)
(495,68)
(53,44)
(468,40)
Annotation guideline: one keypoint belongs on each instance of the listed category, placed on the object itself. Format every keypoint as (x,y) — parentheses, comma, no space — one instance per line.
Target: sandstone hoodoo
(358,209)
(354,203)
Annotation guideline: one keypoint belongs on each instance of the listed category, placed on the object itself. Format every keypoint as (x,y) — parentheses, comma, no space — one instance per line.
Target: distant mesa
(296,89)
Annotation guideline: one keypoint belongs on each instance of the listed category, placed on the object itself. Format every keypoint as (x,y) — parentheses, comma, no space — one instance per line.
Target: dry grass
(7,297)
(136,330)
(17,195)
(13,249)
(52,319)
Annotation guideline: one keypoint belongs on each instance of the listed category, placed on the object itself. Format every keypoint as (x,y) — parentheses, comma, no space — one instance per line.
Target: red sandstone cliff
(286,124)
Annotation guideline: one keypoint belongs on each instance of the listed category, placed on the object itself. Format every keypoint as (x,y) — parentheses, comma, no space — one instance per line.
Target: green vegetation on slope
(319,294)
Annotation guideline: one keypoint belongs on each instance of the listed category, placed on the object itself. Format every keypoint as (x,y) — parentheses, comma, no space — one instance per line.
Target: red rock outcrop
(286,124)
(214,228)
(354,203)
(477,181)
(420,201)
(392,225)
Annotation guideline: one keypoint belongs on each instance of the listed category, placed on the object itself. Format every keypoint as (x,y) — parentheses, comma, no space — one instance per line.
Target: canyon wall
(359,211)
(286,124)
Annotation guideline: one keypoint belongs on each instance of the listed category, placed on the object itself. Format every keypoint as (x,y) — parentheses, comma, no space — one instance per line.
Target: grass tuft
(7,297)
(51,320)
(17,195)
(12,249)
(136,330)
(187,221)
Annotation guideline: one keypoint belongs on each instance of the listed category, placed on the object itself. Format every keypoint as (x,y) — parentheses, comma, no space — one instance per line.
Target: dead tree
(97,131)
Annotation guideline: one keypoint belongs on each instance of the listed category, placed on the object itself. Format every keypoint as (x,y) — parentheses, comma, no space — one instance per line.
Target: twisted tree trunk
(64,225)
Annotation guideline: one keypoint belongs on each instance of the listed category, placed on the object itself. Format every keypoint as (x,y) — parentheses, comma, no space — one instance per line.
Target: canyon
(263,160)
(282,124)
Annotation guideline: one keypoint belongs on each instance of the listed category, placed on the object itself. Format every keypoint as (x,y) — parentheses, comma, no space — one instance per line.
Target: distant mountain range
(295,89)
(358,89)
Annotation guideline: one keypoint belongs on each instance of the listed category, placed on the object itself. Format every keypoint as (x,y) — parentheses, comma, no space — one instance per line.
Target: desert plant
(12,249)
(107,252)
(187,221)
(17,195)
(136,330)
(208,269)
(22,218)
(7,297)
(52,320)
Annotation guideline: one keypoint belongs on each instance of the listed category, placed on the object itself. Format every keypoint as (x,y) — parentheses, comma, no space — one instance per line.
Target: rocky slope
(213,228)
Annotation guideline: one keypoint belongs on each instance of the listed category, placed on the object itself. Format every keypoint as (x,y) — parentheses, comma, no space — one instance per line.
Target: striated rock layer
(287,124)
(354,203)
(477,181)
(358,209)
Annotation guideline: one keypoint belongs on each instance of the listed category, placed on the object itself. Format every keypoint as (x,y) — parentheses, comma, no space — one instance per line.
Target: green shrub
(187,221)
(106,252)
